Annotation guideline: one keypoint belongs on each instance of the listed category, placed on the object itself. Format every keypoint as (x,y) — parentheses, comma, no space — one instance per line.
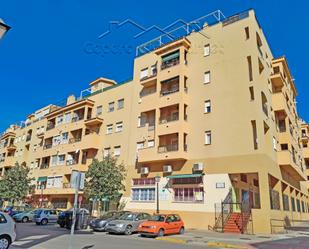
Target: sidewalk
(237,241)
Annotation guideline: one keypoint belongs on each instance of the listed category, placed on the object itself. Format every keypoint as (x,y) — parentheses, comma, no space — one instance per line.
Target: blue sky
(48,54)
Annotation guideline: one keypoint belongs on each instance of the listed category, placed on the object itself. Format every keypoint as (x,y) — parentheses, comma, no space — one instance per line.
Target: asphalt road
(52,237)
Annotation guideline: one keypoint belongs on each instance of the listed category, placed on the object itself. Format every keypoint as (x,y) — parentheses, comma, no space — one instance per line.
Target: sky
(54,50)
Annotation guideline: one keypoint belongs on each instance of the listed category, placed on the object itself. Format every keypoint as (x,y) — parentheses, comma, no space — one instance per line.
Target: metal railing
(167,148)
(75,140)
(169,118)
(170,63)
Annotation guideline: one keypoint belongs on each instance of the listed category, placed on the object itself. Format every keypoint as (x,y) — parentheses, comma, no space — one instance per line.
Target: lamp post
(3,28)
(157,179)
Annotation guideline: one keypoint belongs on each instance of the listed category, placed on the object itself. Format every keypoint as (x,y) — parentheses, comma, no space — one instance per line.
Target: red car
(162,224)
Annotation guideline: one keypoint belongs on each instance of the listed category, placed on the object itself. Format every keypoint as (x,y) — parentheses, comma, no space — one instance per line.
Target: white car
(7,231)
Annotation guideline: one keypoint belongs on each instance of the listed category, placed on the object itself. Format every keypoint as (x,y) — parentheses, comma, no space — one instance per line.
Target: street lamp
(3,28)
(157,179)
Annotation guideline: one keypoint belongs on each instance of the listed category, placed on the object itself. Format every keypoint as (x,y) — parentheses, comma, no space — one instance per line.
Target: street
(52,237)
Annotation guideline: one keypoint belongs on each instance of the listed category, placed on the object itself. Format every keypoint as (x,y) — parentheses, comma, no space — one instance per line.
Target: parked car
(62,217)
(45,216)
(7,231)
(99,224)
(127,224)
(162,224)
(12,210)
(24,216)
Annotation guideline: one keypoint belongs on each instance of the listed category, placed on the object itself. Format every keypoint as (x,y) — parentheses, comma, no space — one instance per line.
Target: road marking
(172,240)
(225,245)
(26,240)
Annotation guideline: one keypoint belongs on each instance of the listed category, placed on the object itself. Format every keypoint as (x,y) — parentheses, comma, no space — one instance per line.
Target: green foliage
(15,184)
(105,179)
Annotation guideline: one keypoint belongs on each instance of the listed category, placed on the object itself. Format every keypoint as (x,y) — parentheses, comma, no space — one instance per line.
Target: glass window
(207,50)
(99,110)
(109,129)
(61,159)
(207,77)
(144,73)
(151,143)
(120,103)
(143,194)
(140,145)
(106,152)
(2,219)
(207,108)
(54,160)
(67,117)
(119,126)
(207,137)
(111,106)
(117,150)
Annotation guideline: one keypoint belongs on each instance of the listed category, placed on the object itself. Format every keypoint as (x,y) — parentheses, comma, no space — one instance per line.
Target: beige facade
(213,114)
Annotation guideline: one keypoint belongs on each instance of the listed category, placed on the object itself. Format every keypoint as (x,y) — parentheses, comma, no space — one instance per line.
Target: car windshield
(157,218)
(38,212)
(127,217)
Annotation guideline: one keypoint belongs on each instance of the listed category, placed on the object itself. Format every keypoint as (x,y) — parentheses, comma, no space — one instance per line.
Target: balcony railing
(71,162)
(170,63)
(75,140)
(167,148)
(44,166)
(47,146)
(167,92)
(77,118)
(169,118)
(50,126)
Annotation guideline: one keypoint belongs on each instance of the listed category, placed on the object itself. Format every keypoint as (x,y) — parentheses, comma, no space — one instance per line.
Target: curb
(225,245)
(172,240)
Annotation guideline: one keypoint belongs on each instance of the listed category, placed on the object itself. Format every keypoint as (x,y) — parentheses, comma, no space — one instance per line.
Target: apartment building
(211,117)
(305,140)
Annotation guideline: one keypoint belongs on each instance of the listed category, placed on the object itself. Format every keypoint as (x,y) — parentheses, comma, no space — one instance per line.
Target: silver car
(45,216)
(127,224)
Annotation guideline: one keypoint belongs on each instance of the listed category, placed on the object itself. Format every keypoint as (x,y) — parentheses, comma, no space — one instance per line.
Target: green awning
(172,56)
(42,179)
(184,176)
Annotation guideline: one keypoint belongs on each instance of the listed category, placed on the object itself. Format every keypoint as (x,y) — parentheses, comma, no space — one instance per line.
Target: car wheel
(182,230)
(5,242)
(25,219)
(161,233)
(44,222)
(128,230)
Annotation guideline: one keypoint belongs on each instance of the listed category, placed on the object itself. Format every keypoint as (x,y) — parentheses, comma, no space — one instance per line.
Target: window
(56,140)
(109,129)
(275,143)
(188,194)
(293,204)
(207,50)
(207,77)
(54,160)
(261,66)
(61,160)
(106,152)
(207,137)
(284,147)
(256,182)
(120,103)
(59,120)
(144,73)
(243,178)
(119,126)
(67,117)
(249,61)
(251,90)
(143,194)
(111,107)
(64,137)
(140,145)
(247,33)
(99,110)
(254,134)
(139,120)
(151,143)
(220,184)
(144,181)
(117,150)
(207,106)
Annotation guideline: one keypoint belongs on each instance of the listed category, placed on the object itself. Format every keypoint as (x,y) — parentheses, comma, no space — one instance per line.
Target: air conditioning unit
(167,168)
(198,167)
(144,170)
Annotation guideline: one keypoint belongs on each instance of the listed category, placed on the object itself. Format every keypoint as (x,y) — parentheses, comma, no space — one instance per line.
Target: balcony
(7,161)
(11,148)
(96,121)
(75,140)
(277,80)
(50,126)
(47,146)
(167,148)
(279,103)
(44,166)
(287,162)
(40,134)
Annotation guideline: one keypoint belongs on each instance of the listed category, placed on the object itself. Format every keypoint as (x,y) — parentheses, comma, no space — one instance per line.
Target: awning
(42,179)
(184,176)
(170,56)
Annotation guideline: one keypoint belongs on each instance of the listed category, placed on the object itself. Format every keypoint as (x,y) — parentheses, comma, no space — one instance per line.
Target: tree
(105,179)
(15,184)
